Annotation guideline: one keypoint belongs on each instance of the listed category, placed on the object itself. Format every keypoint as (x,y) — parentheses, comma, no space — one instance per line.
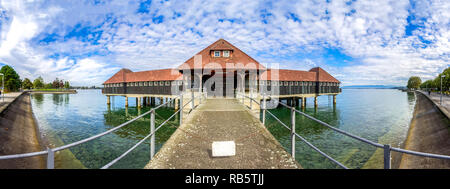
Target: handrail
(308,143)
(387,148)
(31,154)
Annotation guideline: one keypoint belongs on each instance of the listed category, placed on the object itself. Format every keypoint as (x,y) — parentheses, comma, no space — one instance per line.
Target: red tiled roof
(315,74)
(126,75)
(237,60)
(323,76)
(287,75)
(119,76)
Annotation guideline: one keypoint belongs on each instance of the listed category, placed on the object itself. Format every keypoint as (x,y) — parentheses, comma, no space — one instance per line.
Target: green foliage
(429,84)
(12,79)
(414,82)
(436,82)
(66,85)
(26,84)
(38,83)
(48,86)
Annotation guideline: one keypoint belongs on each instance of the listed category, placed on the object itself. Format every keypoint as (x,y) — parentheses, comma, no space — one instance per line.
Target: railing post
(251,100)
(387,156)
(50,159)
(181,109)
(293,132)
(152,129)
(264,110)
(192,102)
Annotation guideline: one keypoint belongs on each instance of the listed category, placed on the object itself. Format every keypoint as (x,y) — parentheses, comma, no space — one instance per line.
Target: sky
(378,42)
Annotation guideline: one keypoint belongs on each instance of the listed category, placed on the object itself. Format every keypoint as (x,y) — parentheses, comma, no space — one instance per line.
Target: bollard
(50,159)
(181,109)
(387,156)
(152,138)
(293,132)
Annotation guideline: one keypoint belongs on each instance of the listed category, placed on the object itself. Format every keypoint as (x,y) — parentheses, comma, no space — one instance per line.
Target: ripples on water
(378,115)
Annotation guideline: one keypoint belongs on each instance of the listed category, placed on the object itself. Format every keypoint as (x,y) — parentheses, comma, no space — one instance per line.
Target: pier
(222,120)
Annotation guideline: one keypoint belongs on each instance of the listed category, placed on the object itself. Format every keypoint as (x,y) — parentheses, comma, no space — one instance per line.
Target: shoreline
(428,132)
(19,133)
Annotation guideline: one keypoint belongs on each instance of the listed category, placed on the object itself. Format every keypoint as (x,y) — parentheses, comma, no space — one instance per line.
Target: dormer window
(226,53)
(216,53)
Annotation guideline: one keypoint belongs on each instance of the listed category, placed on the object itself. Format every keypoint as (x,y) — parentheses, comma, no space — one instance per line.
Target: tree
(428,84)
(66,85)
(38,83)
(56,83)
(12,79)
(48,86)
(414,82)
(26,84)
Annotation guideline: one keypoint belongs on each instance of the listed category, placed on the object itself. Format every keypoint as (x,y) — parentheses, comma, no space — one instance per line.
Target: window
(150,83)
(180,82)
(291,83)
(161,83)
(167,83)
(216,53)
(226,53)
(155,83)
(296,83)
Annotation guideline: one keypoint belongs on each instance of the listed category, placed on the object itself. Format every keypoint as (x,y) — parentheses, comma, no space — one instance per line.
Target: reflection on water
(67,118)
(378,115)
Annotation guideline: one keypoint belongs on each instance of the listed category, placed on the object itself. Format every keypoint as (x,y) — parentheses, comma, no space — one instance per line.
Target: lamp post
(3,86)
(442,76)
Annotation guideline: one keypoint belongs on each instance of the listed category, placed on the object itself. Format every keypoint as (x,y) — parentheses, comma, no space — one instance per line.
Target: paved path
(18,134)
(429,132)
(222,120)
(8,98)
(436,97)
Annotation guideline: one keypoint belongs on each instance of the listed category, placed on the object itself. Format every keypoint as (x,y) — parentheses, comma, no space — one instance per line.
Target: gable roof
(120,76)
(323,75)
(126,75)
(239,59)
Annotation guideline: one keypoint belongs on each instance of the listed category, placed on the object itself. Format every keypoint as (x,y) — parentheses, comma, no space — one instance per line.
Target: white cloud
(372,32)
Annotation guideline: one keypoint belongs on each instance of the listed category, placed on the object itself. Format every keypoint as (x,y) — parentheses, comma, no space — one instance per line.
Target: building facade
(222,69)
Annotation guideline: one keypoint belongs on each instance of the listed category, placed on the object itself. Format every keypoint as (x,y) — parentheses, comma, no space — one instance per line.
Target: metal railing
(51,151)
(386,147)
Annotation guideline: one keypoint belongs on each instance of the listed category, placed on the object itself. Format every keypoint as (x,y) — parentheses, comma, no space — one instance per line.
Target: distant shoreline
(71,91)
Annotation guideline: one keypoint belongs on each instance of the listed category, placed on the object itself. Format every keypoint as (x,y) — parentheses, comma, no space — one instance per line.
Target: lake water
(379,115)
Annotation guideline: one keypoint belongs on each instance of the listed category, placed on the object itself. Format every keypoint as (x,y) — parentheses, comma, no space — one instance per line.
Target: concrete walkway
(7,99)
(436,97)
(19,134)
(222,120)
(429,132)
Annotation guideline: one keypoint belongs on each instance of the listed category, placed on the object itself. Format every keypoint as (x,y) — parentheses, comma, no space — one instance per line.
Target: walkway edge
(439,107)
(2,109)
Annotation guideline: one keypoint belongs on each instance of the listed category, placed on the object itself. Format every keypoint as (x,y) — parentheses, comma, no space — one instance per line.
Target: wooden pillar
(334,99)
(303,102)
(138,102)
(315,101)
(176,104)
(126,101)
(144,101)
(152,99)
(108,100)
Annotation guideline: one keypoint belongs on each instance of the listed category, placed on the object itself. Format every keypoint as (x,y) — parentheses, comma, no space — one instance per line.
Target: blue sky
(359,42)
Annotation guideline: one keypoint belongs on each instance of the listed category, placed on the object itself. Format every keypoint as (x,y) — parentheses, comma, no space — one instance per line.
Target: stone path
(222,120)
